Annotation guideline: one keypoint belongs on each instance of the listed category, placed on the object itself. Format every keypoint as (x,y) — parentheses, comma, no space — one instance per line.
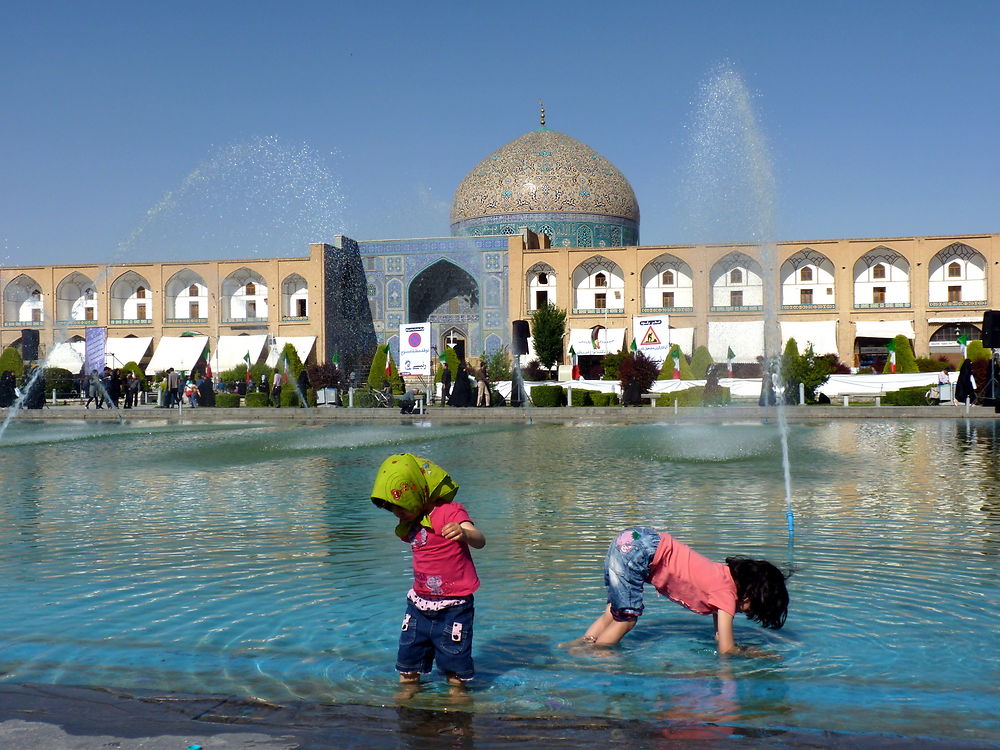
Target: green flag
(335,358)
(444,358)
(632,346)
(963,342)
(730,354)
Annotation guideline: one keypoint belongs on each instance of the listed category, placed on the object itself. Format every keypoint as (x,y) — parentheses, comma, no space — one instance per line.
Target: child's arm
(467,531)
(724,633)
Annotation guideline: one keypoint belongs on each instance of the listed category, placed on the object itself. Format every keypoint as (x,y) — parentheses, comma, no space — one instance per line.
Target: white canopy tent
(303,346)
(745,338)
(609,340)
(119,352)
(231,351)
(68,355)
(822,334)
(180,352)
(837,385)
(884,329)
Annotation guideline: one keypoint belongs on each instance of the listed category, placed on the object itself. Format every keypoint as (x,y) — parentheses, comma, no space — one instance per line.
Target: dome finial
(541,105)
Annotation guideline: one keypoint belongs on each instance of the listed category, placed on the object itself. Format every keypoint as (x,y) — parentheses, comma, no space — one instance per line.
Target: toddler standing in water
(644,555)
(439,608)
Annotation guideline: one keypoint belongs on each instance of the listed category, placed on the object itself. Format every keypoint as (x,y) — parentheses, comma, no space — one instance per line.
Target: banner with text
(652,336)
(415,349)
(97,341)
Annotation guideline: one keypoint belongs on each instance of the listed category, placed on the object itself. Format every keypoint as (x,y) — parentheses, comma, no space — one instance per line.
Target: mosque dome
(549,182)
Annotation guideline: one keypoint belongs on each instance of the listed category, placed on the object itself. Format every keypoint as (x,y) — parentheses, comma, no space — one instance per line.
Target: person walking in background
(437,626)
(445,383)
(172,381)
(276,389)
(94,390)
(482,386)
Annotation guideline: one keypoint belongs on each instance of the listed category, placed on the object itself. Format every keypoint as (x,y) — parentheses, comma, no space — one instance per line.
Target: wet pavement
(76,718)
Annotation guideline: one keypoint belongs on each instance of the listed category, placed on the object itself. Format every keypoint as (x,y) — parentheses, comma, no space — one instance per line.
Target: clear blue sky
(124,124)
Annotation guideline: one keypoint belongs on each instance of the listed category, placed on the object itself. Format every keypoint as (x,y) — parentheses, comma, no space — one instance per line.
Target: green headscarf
(414,484)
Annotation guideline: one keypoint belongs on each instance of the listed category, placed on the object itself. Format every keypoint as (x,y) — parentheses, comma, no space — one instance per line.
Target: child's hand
(453,531)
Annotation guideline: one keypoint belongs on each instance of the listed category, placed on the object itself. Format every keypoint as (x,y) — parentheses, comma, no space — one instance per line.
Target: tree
(638,368)
(701,360)
(791,371)
(548,325)
(610,364)
(976,351)
(498,365)
(814,370)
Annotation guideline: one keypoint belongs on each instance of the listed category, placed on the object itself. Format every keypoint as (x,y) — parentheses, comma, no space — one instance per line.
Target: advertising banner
(97,339)
(415,349)
(652,336)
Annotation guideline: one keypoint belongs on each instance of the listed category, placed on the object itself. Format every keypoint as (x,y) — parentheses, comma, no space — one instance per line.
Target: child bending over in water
(645,555)
(439,608)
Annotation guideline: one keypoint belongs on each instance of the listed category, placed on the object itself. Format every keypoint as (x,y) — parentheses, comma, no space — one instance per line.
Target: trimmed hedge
(548,395)
(688,397)
(913,396)
(227,400)
(583,397)
(257,400)
(605,399)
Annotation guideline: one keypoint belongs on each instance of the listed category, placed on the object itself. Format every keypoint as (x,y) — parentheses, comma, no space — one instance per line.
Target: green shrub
(548,395)
(913,396)
(498,365)
(929,364)
(605,399)
(289,398)
(10,359)
(701,360)
(58,380)
(610,364)
(688,397)
(583,397)
(975,351)
(905,361)
(227,400)
(667,368)
(257,400)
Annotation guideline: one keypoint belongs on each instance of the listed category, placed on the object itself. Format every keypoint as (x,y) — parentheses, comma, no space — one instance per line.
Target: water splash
(730,191)
(252,198)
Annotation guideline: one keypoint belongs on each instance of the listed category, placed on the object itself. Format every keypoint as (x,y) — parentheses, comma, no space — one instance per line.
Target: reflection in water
(251,562)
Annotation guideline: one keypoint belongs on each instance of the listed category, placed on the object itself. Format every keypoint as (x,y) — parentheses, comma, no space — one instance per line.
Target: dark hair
(762,587)
(383,504)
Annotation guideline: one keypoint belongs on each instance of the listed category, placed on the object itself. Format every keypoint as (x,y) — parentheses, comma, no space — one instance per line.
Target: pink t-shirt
(442,567)
(691,579)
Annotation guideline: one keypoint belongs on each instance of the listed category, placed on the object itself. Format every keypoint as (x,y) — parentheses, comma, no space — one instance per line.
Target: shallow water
(248,561)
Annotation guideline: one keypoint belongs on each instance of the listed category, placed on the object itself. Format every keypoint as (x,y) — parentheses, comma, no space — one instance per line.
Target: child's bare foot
(409,685)
(457,690)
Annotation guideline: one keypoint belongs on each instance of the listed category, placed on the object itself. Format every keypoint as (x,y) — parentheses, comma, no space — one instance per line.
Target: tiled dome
(543,171)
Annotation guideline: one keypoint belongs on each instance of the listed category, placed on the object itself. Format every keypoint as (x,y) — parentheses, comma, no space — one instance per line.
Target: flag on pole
(676,356)
(246,359)
(576,365)
(633,346)
(208,361)
(335,358)
(444,358)
(284,369)
(730,356)
(891,346)
(388,362)
(963,341)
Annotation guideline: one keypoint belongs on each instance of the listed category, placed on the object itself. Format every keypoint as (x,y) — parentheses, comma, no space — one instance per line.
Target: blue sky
(124,124)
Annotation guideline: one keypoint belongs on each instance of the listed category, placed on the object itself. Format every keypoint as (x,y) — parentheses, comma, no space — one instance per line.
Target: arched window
(36,295)
(806,274)
(736,276)
(193,290)
(251,289)
(600,280)
(543,278)
(878,271)
(88,294)
(140,292)
(668,278)
(954,271)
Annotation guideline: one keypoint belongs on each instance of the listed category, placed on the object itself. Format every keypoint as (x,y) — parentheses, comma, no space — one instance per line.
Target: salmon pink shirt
(442,567)
(691,579)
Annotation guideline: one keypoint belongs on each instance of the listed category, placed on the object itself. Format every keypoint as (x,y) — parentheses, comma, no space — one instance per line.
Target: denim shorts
(626,569)
(444,636)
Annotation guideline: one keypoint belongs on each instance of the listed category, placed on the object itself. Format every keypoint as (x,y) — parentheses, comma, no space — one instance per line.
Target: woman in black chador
(461,391)
(7,385)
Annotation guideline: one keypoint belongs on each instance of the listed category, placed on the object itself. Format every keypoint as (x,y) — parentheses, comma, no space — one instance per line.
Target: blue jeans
(626,569)
(444,636)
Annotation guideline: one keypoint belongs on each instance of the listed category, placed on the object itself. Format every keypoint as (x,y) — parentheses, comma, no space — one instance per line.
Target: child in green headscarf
(437,625)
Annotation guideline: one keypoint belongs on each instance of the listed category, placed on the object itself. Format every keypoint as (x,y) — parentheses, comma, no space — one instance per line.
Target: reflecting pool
(249,561)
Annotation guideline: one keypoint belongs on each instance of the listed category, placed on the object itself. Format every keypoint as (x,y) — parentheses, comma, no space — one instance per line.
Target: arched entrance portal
(448,296)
